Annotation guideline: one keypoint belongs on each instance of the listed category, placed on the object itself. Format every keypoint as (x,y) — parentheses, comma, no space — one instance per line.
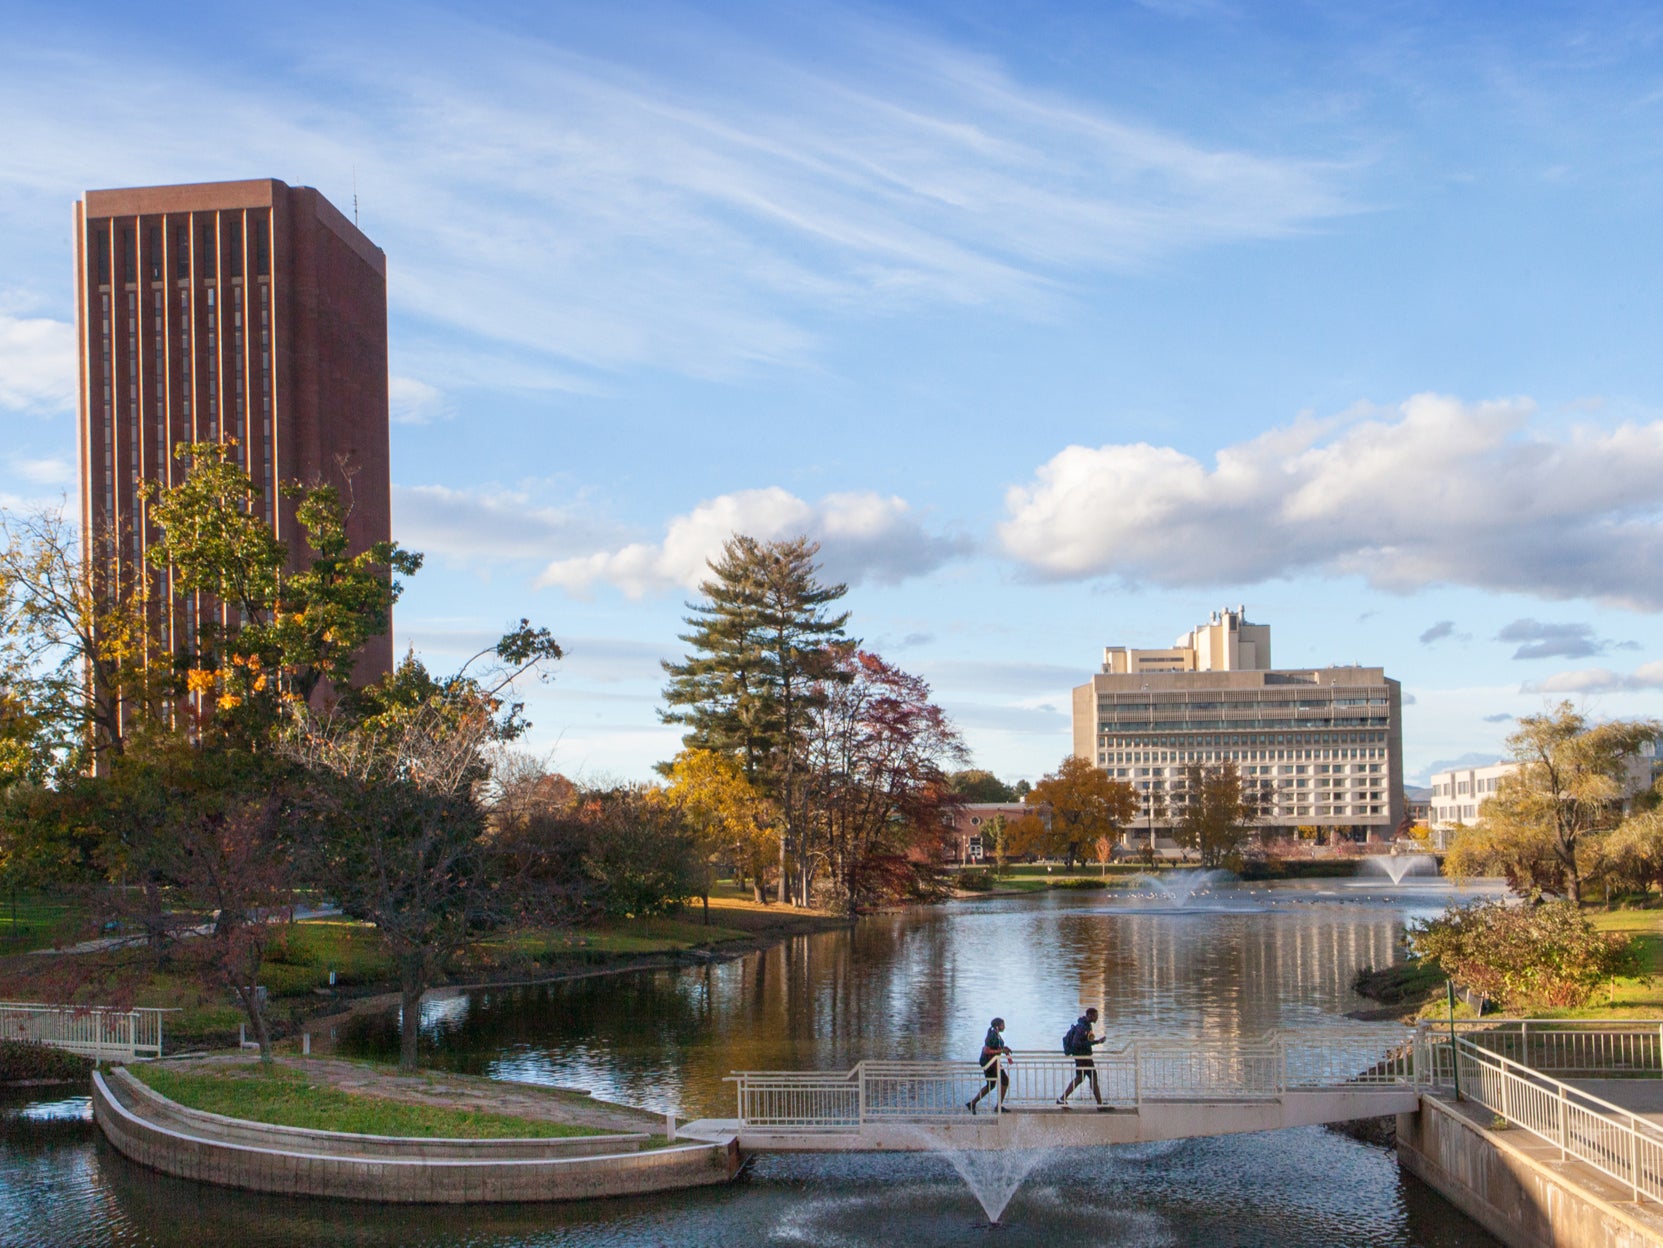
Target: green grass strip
(287,1098)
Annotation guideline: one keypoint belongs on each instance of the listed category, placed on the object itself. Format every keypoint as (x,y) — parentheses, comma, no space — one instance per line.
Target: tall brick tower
(246,311)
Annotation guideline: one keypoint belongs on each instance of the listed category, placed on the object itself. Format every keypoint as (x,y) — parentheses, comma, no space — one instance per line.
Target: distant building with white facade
(1324,745)
(1458,795)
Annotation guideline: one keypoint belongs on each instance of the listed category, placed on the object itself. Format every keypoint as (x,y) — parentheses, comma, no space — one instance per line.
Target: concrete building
(247,312)
(1324,746)
(1458,795)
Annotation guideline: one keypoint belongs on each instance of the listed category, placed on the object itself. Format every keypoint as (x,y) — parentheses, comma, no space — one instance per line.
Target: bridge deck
(1151,1089)
(1154,1120)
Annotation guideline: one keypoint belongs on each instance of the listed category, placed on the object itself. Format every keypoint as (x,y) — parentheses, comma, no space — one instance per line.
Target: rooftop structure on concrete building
(1322,746)
(249,313)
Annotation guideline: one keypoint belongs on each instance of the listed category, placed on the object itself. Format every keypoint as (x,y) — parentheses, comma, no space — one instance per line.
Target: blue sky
(1060,325)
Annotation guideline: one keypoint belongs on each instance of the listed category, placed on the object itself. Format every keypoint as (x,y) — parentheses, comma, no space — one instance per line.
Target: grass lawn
(30,922)
(617,936)
(288,1098)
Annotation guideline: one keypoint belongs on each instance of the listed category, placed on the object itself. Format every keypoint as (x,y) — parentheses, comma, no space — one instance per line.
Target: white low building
(1458,795)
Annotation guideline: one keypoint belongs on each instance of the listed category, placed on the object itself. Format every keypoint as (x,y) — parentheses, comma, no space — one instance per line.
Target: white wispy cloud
(863,537)
(37,365)
(1434,491)
(51,470)
(413,402)
(598,211)
(492,524)
(1600,680)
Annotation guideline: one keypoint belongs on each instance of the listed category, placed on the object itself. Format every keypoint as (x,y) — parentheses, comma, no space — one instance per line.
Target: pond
(1232,960)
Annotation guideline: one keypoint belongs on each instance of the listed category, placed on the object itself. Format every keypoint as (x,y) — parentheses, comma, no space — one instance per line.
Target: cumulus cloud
(1500,717)
(1434,491)
(1601,680)
(862,536)
(37,365)
(503,524)
(1440,630)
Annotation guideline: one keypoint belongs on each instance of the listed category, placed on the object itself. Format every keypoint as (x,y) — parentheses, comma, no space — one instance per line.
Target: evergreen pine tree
(759,642)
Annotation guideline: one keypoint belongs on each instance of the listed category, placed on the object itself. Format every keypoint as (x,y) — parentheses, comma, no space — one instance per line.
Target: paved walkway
(123,942)
(448,1091)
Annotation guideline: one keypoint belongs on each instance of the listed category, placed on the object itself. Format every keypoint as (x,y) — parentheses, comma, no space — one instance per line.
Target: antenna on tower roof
(354,194)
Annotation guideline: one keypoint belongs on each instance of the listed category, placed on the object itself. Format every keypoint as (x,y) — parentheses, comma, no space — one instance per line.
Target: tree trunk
(412,982)
(249,995)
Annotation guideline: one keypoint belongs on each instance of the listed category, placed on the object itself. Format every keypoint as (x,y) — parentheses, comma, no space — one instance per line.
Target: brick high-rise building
(248,311)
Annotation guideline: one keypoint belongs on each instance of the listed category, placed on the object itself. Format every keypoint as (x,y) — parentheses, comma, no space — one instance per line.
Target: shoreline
(786,926)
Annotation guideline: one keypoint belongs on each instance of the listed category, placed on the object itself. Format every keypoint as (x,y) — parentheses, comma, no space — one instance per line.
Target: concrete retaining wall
(1521,1200)
(175,1148)
(156,1109)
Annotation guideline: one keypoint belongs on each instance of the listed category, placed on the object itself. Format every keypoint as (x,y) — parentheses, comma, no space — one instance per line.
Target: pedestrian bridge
(1152,1088)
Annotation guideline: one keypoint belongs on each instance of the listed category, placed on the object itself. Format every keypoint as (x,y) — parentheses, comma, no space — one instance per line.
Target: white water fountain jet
(994,1173)
(1397,866)
(1177,889)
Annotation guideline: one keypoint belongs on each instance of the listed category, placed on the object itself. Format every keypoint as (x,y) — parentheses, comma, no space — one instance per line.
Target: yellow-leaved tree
(729,817)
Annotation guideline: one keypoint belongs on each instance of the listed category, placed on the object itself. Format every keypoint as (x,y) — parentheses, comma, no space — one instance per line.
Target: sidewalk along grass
(288,1098)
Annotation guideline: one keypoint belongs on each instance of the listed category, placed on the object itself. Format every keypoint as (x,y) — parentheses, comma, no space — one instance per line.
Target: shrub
(974,879)
(1547,955)
(25,1061)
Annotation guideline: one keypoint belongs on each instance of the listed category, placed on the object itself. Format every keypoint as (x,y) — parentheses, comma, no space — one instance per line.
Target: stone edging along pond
(191,1144)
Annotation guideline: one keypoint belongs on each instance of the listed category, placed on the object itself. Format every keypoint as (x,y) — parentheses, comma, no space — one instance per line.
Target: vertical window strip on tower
(267,485)
(133,416)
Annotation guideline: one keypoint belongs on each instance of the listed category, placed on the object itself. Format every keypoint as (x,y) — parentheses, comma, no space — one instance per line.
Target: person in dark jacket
(993,1048)
(1080,1042)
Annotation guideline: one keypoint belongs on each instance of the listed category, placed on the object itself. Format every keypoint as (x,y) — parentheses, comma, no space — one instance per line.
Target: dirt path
(443,1090)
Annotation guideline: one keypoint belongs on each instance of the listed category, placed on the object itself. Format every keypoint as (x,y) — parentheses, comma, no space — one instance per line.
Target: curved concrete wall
(190,1150)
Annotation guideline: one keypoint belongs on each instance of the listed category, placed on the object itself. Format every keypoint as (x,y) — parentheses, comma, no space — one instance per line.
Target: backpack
(1071,1039)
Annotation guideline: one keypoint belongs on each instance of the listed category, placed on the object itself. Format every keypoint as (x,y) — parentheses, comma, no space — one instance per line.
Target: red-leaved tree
(876,753)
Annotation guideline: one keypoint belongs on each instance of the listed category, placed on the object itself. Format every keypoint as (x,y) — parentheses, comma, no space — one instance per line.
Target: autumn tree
(1215,811)
(1028,833)
(1083,803)
(301,616)
(393,825)
(877,796)
(1545,827)
(726,814)
(996,841)
(79,659)
(758,665)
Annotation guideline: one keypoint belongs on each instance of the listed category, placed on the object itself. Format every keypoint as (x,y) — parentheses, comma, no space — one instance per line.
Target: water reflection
(920,984)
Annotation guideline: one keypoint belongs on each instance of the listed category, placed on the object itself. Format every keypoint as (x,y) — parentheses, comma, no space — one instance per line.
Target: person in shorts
(993,1048)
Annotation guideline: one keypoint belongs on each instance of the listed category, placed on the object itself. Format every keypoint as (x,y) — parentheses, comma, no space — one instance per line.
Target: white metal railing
(1615,1048)
(88,1030)
(1606,1136)
(1141,1070)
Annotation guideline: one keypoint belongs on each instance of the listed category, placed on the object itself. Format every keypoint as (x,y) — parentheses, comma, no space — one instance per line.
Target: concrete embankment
(1518,1187)
(191,1144)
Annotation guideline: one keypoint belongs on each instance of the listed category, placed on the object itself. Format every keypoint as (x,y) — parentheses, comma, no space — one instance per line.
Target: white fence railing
(1606,1136)
(89,1031)
(1141,1070)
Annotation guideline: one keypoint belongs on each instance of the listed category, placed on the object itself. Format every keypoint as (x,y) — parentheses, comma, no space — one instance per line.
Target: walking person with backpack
(1077,1043)
(993,1048)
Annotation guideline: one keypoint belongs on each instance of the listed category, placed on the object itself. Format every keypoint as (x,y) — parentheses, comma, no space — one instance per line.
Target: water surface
(1237,961)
